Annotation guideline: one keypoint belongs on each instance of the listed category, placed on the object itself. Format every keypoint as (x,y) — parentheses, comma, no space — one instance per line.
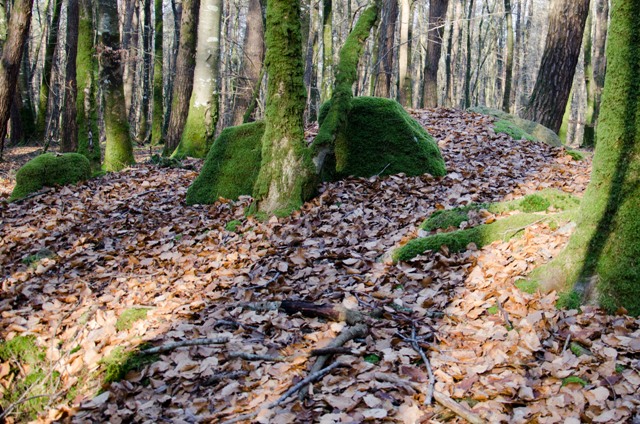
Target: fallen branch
(256,357)
(337,313)
(332,351)
(229,375)
(174,345)
(566,344)
(505,314)
(415,344)
(350,333)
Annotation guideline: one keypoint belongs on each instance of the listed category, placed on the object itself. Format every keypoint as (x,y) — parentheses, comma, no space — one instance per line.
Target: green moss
(527,286)
(36,382)
(128,317)
(492,310)
(196,136)
(118,152)
(32,260)
(569,300)
(576,155)
(533,129)
(381,138)
(457,241)
(164,162)
(537,202)
(574,380)
(231,167)
(119,362)
(512,130)
(372,358)
(48,170)
(232,226)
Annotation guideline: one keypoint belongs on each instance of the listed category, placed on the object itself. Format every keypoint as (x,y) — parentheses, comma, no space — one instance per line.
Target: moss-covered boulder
(381,138)
(49,170)
(231,167)
(519,128)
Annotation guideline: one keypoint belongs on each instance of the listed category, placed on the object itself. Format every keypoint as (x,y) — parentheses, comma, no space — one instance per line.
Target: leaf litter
(127,241)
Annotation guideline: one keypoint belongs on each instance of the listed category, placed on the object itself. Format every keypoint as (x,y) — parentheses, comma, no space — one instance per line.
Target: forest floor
(90,273)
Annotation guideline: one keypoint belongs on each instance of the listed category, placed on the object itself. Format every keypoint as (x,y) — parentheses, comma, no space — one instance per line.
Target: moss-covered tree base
(194,141)
(231,167)
(519,128)
(49,170)
(502,229)
(381,138)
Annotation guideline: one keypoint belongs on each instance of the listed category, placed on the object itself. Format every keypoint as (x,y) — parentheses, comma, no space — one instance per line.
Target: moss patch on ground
(120,361)
(512,130)
(231,167)
(48,170)
(533,129)
(129,316)
(381,138)
(31,378)
(537,202)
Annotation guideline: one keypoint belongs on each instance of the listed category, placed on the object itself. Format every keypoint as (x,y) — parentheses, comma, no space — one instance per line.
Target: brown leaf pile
(127,240)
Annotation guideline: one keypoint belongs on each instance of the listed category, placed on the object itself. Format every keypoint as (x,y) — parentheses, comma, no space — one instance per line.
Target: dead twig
(332,351)
(566,344)
(229,375)
(256,357)
(350,333)
(505,314)
(415,345)
(174,345)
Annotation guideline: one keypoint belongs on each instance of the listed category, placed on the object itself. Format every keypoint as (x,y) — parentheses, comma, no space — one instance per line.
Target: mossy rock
(520,128)
(381,138)
(231,167)
(48,170)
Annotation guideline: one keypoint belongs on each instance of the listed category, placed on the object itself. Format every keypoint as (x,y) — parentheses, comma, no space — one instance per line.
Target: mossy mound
(537,202)
(231,167)
(503,229)
(381,138)
(519,128)
(48,170)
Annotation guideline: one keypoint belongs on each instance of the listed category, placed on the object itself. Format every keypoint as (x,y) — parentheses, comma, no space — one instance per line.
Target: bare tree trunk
(45,82)
(183,82)
(158,74)
(11,57)
(506,99)
(404,57)
(555,77)
(437,15)
(386,37)
(69,130)
(130,46)
(467,75)
(253,56)
(327,56)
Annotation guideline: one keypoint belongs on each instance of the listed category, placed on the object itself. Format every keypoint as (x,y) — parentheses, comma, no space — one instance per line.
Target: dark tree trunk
(386,37)
(158,109)
(508,76)
(69,130)
(11,58)
(467,74)
(183,82)
(555,77)
(437,15)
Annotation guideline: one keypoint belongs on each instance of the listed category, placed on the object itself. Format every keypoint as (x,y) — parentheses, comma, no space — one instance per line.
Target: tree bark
(86,77)
(158,109)
(553,85)
(11,58)
(183,82)
(386,38)
(404,54)
(286,177)
(601,260)
(69,130)
(200,128)
(45,82)
(437,15)
(467,74)
(508,76)
(119,149)
(327,56)
(252,58)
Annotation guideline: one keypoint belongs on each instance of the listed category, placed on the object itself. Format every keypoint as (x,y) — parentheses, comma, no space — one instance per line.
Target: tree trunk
(327,56)
(45,82)
(119,150)
(595,72)
(143,131)
(158,109)
(183,82)
(11,58)
(404,55)
(386,37)
(253,49)
(437,15)
(508,77)
(286,177)
(200,128)
(553,85)
(601,261)
(130,46)
(69,130)
(467,74)
(86,70)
